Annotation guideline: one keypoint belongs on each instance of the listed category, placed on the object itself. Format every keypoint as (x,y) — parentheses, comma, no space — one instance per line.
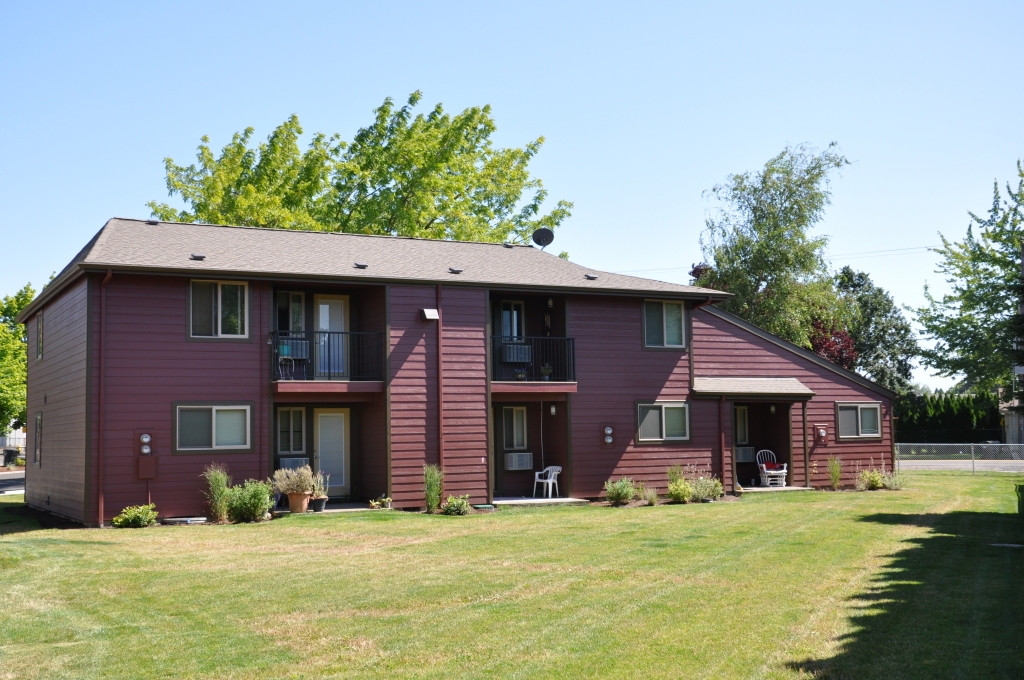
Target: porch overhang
(751,389)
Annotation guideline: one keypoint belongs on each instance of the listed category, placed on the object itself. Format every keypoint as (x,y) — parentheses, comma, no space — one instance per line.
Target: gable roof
(166,247)
(796,349)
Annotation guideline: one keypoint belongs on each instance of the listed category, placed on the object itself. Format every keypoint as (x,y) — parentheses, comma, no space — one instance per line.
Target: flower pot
(318,504)
(386,504)
(546,378)
(298,502)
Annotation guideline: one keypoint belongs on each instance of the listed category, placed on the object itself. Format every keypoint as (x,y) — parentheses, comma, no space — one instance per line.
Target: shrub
(869,480)
(620,491)
(299,480)
(680,491)
(675,473)
(707,488)
(893,481)
(321,483)
(835,472)
(216,476)
(20,462)
(649,494)
(456,505)
(249,502)
(136,517)
(433,481)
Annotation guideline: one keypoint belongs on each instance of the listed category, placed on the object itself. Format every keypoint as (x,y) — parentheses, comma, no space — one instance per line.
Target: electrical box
(820,435)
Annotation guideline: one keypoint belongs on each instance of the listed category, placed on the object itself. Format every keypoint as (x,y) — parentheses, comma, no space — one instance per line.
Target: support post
(972,459)
(807,452)
(721,441)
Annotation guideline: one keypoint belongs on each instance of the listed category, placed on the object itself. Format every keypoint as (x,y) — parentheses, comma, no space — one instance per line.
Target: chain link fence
(963,457)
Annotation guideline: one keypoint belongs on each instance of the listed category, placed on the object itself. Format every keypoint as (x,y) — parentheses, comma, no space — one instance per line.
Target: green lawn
(811,584)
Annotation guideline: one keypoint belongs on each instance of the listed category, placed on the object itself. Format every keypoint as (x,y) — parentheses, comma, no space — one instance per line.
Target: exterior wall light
(553,409)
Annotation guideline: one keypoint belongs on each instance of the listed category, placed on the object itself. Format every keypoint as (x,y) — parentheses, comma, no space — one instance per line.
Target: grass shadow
(949,606)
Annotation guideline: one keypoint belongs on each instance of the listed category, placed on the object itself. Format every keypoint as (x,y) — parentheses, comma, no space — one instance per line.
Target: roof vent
(197,256)
(152,222)
(455,270)
(361,265)
(509,245)
(591,277)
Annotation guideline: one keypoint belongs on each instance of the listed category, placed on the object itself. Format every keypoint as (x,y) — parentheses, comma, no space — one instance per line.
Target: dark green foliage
(433,482)
(621,491)
(249,502)
(136,517)
(456,505)
(948,418)
(882,337)
(219,483)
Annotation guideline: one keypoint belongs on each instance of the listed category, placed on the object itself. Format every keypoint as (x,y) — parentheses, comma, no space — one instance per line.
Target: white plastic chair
(770,477)
(549,478)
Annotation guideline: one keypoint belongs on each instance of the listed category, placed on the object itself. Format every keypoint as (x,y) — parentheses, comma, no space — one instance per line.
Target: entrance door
(331,448)
(329,316)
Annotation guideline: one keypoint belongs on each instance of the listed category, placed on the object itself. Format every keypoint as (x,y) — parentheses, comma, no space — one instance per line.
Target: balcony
(533,359)
(322,355)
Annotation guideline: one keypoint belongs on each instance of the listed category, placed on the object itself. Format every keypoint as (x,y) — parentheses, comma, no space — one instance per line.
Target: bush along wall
(947,418)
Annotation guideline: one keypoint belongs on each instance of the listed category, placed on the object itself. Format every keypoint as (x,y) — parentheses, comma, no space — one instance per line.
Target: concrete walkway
(526,501)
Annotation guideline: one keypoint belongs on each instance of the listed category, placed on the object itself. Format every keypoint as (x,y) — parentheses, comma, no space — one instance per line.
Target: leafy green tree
(428,176)
(977,324)
(882,337)
(13,362)
(759,247)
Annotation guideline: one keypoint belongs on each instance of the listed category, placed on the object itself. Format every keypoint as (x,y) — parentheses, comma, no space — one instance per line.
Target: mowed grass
(859,585)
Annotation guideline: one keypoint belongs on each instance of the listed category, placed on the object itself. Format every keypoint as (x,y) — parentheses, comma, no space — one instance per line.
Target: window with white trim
(219,309)
(290,430)
(514,428)
(213,427)
(742,426)
(859,420)
(663,421)
(664,324)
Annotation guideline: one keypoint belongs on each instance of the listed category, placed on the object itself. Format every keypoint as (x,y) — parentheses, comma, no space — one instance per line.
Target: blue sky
(644,106)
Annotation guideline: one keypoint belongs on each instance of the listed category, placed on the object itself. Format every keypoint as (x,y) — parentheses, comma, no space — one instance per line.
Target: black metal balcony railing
(322,355)
(533,359)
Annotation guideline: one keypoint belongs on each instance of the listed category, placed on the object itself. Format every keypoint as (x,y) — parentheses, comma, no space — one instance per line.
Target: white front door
(331,438)
(330,320)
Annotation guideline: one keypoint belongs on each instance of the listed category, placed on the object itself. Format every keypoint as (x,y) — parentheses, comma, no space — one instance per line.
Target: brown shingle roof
(752,387)
(167,246)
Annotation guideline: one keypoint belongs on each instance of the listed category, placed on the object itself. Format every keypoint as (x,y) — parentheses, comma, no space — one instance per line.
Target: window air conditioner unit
(744,454)
(516,353)
(520,460)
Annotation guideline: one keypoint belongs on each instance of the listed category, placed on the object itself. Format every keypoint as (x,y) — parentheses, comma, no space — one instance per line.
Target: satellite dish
(543,237)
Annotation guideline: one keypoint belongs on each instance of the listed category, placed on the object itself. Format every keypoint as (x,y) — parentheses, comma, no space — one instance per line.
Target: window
(39,336)
(663,324)
(513,322)
(213,427)
(290,312)
(742,426)
(515,427)
(859,420)
(219,309)
(37,456)
(290,427)
(663,421)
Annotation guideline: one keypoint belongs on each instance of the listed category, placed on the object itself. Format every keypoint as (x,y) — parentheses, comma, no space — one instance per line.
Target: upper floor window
(213,427)
(219,309)
(663,421)
(663,324)
(290,316)
(859,420)
(513,321)
(37,445)
(39,335)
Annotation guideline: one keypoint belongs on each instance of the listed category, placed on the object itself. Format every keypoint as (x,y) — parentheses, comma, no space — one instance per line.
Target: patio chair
(549,478)
(772,472)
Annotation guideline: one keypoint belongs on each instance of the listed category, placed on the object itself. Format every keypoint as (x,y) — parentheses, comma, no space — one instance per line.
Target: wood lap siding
(60,380)
(614,371)
(722,348)
(465,392)
(413,391)
(151,364)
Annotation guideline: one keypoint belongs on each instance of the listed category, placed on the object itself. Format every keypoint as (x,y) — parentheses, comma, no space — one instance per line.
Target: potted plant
(297,484)
(520,374)
(382,503)
(545,372)
(321,482)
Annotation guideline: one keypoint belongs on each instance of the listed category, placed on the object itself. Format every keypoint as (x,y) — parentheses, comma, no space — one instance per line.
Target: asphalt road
(12,482)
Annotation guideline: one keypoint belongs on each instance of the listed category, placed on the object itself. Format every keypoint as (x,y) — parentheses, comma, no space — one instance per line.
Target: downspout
(102,439)
(440,383)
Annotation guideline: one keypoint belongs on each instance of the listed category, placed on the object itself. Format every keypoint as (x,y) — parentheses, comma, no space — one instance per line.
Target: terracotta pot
(318,504)
(298,502)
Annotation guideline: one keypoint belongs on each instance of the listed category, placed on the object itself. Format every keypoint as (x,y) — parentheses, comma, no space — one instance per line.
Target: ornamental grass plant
(218,486)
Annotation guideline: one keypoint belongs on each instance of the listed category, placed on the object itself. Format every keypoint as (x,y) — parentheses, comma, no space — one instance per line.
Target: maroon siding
(413,391)
(613,371)
(464,318)
(722,348)
(57,387)
(150,364)
(373,453)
